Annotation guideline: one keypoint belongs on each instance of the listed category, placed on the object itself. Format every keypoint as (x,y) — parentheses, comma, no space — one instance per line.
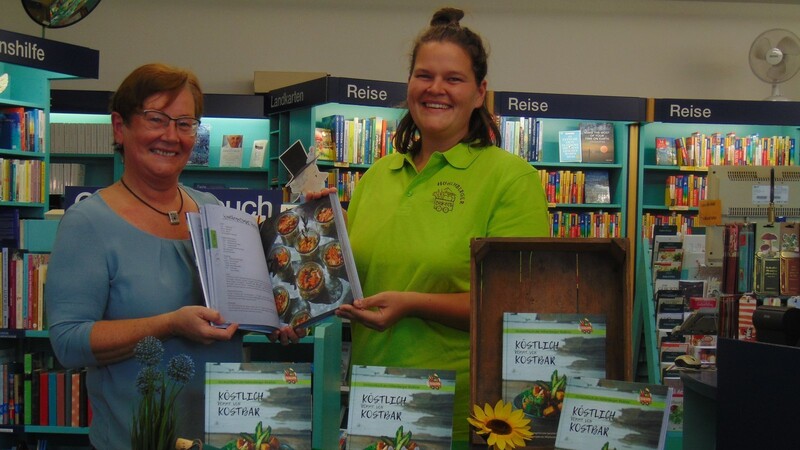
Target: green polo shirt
(411,232)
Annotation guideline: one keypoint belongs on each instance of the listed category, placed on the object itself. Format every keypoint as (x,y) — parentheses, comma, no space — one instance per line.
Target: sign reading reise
(57,57)
(353,91)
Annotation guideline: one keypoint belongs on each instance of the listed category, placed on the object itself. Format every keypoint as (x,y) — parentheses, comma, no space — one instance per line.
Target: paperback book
(540,353)
(200,151)
(666,151)
(323,144)
(231,152)
(608,414)
(257,404)
(596,187)
(400,408)
(257,153)
(294,268)
(569,146)
(597,142)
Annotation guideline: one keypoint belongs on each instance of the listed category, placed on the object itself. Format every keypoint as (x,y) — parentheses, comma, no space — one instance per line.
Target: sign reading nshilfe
(58,57)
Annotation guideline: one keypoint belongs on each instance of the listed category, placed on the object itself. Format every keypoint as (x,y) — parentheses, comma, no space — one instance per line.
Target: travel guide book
(294,268)
(258,405)
(400,408)
(540,353)
(597,142)
(609,414)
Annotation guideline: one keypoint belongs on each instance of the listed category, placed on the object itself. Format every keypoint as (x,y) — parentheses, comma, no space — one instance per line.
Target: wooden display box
(545,275)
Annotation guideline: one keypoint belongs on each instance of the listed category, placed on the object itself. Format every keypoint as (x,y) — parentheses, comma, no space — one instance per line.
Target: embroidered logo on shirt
(444,199)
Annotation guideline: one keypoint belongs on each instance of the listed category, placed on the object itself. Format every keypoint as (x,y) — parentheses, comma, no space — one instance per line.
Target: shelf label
(709,213)
(387,94)
(566,106)
(761,194)
(49,55)
(355,91)
(744,112)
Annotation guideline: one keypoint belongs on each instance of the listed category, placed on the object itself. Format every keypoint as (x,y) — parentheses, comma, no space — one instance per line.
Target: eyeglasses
(157,120)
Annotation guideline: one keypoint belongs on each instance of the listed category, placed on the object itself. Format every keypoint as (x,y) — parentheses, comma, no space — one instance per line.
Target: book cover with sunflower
(540,353)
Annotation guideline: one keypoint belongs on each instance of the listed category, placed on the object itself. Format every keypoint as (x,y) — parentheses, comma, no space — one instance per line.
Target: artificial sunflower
(502,427)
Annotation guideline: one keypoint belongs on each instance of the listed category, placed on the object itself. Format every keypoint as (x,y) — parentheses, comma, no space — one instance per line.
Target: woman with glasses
(122,266)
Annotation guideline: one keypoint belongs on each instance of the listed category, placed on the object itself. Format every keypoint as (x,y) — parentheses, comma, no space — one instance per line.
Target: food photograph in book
(310,261)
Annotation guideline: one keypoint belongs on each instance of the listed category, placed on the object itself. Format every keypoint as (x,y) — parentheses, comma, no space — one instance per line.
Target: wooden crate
(545,275)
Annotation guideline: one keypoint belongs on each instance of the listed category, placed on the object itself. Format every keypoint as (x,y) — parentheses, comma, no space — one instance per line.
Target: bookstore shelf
(364,110)
(679,142)
(88,141)
(709,119)
(24,152)
(531,124)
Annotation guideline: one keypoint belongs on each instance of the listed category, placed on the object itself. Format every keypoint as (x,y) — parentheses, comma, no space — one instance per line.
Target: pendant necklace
(174,219)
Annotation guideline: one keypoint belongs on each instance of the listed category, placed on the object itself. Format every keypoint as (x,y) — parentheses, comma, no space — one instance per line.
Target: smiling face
(156,154)
(442,94)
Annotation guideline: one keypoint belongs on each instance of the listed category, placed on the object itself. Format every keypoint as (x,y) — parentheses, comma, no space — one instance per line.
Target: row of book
(685,190)
(344,181)
(597,224)
(22,278)
(22,180)
(682,221)
(88,138)
(22,129)
(34,395)
(354,141)
(701,150)
(66,174)
(579,187)
(521,136)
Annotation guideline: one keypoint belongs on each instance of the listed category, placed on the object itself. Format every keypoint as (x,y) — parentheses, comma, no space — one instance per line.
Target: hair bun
(447,16)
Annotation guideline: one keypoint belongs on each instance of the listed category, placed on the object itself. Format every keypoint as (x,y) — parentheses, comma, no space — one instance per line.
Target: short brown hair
(152,79)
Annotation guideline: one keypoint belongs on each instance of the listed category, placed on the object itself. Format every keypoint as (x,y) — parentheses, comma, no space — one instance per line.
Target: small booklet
(608,414)
(258,403)
(231,152)
(569,146)
(295,268)
(400,408)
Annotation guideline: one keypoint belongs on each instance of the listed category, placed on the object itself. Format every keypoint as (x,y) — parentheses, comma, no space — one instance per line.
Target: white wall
(647,48)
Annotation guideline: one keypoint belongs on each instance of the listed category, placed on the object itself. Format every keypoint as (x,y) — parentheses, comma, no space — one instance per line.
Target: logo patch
(444,199)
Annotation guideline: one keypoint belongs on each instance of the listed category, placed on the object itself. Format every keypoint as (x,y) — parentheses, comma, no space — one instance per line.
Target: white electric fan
(775,58)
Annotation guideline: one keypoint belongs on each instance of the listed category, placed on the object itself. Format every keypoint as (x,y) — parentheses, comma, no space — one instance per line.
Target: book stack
(359,141)
(522,136)
(22,278)
(716,149)
(32,392)
(597,224)
(82,138)
(22,129)
(685,190)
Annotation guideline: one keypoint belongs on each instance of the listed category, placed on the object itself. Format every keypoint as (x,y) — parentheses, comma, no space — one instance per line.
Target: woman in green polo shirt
(414,212)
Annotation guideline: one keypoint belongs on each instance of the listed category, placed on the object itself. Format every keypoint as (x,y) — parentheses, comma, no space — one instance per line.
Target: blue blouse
(103,268)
